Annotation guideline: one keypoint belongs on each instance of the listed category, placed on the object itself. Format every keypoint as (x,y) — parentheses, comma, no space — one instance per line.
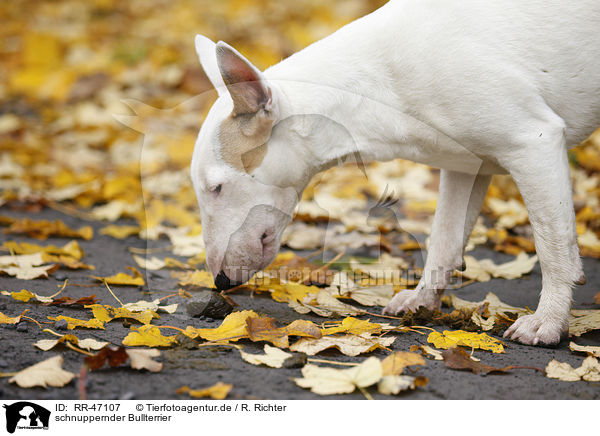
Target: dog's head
(246,184)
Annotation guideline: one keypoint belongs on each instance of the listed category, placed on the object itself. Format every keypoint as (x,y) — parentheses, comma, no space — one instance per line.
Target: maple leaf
(46,373)
(273,357)
(218,391)
(233,328)
(330,381)
(349,345)
(588,371)
(264,329)
(449,339)
(123,279)
(25,266)
(148,336)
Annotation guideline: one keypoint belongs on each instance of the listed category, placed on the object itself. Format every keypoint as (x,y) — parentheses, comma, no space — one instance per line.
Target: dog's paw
(411,300)
(537,329)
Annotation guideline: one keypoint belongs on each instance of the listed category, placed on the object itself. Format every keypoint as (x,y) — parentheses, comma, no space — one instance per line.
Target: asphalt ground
(199,368)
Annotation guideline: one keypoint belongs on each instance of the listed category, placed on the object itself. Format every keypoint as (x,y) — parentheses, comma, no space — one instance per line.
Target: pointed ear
(246,84)
(206,50)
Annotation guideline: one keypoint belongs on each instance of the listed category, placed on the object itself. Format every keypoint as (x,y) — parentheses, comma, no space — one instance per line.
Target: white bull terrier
(472,87)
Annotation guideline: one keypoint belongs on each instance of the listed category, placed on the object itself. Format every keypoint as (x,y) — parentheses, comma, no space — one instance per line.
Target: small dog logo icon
(24,414)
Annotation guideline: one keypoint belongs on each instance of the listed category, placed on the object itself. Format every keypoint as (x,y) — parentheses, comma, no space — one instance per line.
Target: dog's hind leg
(459,203)
(541,173)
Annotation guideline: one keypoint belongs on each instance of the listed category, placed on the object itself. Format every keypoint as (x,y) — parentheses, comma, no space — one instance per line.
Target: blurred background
(101,101)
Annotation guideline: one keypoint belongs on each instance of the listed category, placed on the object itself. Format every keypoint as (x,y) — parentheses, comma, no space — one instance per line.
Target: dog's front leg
(542,176)
(459,203)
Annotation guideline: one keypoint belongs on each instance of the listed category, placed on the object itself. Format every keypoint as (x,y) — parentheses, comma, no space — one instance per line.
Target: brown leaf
(264,329)
(395,363)
(458,358)
(114,356)
(68,301)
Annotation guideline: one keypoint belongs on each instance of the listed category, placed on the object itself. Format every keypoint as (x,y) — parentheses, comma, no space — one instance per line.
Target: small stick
(332,362)
(111,293)
(366,393)
(82,382)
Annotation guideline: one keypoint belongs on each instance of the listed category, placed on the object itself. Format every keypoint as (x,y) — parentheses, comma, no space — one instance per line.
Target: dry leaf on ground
(84,323)
(264,329)
(458,358)
(349,345)
(115,356)
(273,357)
(394,384)
(46,373)
(330,381)
(43,229)
(588,371)
(395,363)
(353,326)
(86,344)
(233,328)
(123,279)
(426,350)
(588,349)
(449,339)
(218,391)
(483,270)
(148,336)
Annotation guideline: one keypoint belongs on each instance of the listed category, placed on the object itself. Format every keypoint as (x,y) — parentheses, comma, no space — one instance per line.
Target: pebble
(127,396)
(3,363)
(209,304)
(296,360)
(60,277)
(61,324)
(22,327)
(2,306)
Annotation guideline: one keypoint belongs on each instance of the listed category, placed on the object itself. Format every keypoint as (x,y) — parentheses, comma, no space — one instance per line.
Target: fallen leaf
(115,356)
(148,336)
(193,279)
(106,313)
(353,326)
(86,344)
(458,358)
(74,322)
(264,329)
(123,279)
(394,384)
(218,391)
(150,264)
(372,295)
(273,357)
(449,339)
(26,266)
(46,373)
(484,270)
(426,350)
(71,249)
(68,301)
(154,305)
(233,328)
(4,319)
(120,232)
(583,321)
(42,229)
(142,359)
(588,349)
(395,363)
(349,345)
(588,371)
(330,381)
(329,305)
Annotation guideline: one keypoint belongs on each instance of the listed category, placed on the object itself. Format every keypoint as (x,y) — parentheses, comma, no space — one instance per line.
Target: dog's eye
(217,189)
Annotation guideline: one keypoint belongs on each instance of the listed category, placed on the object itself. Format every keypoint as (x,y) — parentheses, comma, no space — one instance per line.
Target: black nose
(222,281)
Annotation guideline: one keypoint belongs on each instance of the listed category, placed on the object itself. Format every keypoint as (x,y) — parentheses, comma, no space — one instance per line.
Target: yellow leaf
(233,328)
(107,313)
(4,319)
(23,295)
(395,363)
(120,232)
(123,279)
(42,229)
(86,344)
(218,391)
(71,249)
(449,339)
(74,322)
(148,336)
(353,326)
(290,291)
(264,329)
(199,278)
